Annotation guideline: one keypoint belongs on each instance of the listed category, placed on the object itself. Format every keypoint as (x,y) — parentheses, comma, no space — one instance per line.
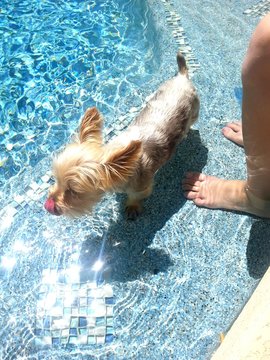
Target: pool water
(100,287)
(60,58)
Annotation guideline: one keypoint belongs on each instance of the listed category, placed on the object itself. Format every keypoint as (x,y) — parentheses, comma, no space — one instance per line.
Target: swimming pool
(166,285)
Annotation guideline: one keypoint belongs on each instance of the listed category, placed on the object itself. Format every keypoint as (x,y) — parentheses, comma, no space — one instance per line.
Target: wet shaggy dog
(88,168)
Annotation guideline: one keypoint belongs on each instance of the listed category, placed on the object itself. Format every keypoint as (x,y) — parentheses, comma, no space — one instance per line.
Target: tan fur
(86,169)
(90,127)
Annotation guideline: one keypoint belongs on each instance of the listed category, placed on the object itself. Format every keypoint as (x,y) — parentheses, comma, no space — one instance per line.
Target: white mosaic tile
(19,198)
(10,211)
(34,186)
(45,178)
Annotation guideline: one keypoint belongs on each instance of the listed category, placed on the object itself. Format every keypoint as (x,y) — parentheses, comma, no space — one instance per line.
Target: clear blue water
(58,58)
(179,274)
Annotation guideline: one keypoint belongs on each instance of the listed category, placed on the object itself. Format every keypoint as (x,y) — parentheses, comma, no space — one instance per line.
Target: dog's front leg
(134,202)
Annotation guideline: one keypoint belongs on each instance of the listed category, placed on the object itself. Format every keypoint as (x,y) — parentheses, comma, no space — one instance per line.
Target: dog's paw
(133,211)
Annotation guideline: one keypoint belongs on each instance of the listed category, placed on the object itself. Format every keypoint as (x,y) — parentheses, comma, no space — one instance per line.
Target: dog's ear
(91,126)
(121,164)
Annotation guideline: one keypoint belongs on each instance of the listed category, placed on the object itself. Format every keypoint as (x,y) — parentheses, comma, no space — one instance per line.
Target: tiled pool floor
(166,285)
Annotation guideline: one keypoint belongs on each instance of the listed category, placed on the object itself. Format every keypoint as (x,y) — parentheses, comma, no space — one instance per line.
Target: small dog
(87,168)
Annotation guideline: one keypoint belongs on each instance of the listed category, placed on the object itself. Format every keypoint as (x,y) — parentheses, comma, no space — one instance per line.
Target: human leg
(251,195)
(256,110)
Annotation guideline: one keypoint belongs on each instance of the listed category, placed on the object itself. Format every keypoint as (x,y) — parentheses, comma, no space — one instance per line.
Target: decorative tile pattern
(73,313)
(259,10)
(123,123)
(33,192)
(174,22)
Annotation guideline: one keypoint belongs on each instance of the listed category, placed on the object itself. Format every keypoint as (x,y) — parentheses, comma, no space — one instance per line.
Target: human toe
(194,177)
(190,187)
(199,201)
(233,132)
(230,134)
(190,195)
(236,125)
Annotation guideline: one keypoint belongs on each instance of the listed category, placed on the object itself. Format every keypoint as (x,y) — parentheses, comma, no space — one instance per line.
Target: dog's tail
(182,65)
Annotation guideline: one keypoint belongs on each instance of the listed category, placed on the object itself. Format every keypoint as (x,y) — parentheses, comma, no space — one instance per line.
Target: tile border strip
(174,22)
(258,10)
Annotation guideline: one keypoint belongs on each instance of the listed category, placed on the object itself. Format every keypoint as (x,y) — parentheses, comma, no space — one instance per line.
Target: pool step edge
(249,336)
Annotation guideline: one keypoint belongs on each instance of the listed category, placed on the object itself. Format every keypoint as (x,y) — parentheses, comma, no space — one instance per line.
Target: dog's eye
(71,192)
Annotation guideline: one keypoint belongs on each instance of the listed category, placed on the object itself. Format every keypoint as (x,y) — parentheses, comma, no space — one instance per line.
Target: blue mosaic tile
(91,340)
(100,321)
(39,332)
(47,322)
(74,322)
(109,330)
(109,321)
(73,331)
(73,340)
(67,311)
(90,311)
(59,302)
(56,341)
(82,322)
(109,300)
(109,338)
(83,310)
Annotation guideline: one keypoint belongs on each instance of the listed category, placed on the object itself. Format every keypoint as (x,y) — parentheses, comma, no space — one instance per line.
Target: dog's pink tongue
(50,206)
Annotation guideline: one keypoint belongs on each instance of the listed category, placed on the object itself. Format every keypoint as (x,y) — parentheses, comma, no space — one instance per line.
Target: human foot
(214,193)
(233,132)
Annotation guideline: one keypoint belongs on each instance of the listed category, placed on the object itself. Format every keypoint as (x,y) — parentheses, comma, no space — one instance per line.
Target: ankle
(256,202)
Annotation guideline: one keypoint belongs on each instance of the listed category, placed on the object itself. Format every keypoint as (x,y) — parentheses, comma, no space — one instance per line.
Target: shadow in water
(258,249)
(126,249)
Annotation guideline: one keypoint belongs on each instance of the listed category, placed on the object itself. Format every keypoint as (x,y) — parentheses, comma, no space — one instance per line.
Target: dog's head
(86,169)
